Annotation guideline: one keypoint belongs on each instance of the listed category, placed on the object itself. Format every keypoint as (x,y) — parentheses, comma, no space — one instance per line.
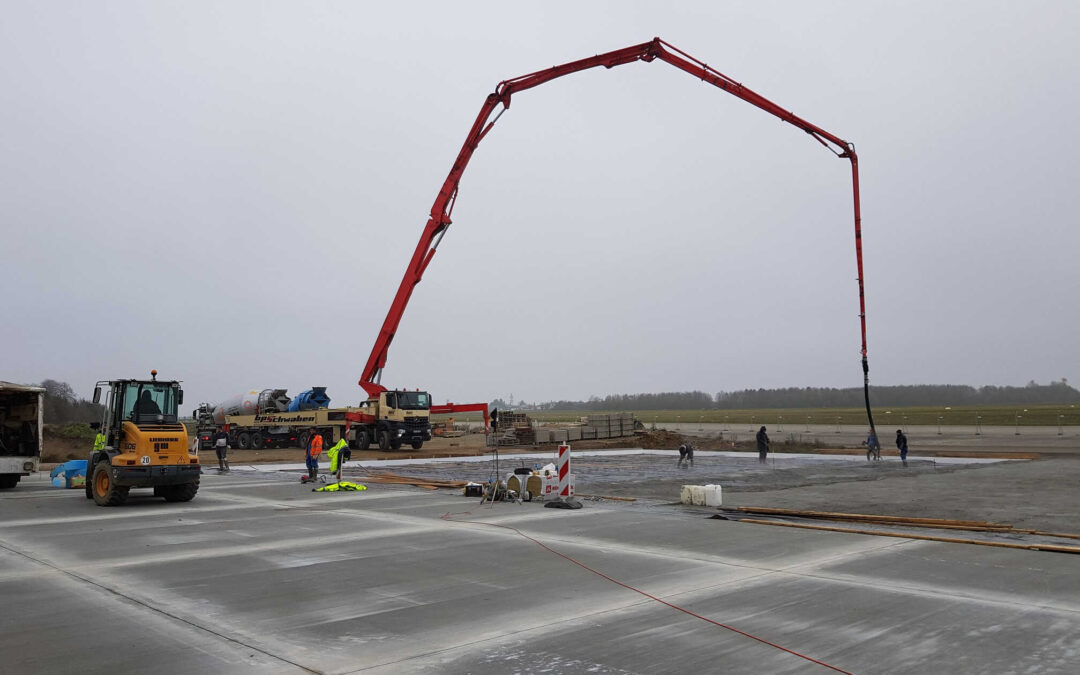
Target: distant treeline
(906,395)
(825,397)
(62,406)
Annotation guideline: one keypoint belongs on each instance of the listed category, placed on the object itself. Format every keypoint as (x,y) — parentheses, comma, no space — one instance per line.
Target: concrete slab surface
(259,574)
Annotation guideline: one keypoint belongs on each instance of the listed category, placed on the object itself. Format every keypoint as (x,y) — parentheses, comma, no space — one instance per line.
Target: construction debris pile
(514,429)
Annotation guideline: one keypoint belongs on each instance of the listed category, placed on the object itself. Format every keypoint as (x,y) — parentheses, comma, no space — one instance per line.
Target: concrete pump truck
(141,443)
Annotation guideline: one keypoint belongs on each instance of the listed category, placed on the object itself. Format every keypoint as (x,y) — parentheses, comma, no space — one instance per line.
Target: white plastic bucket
(713,495)
(693,495)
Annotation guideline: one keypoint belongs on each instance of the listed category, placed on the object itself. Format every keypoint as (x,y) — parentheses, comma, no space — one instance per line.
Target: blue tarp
(63,475)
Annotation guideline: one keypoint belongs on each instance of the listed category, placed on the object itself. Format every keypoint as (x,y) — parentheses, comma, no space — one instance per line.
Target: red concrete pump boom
(439,220)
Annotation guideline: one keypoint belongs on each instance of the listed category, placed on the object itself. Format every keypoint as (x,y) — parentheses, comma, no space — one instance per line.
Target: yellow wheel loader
(141,443)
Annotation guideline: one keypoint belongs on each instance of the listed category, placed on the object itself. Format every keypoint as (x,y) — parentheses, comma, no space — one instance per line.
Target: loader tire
(384,440)
(184,492)
(105,492)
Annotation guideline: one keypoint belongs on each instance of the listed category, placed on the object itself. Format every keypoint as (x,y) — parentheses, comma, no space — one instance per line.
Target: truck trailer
(211,418)
(269,419)
(21,409)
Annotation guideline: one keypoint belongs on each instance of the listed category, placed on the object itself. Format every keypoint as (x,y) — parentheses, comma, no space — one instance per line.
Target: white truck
(21,408)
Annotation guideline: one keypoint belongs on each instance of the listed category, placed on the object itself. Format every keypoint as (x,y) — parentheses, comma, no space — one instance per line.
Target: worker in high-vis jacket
(339,454)
(99,442)
(314,449)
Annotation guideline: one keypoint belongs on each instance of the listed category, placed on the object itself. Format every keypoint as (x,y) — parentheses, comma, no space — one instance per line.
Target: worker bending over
(686,454)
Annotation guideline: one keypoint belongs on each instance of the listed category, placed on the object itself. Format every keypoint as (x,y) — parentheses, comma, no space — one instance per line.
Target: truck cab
(205,426)
(393,419)
(141,443)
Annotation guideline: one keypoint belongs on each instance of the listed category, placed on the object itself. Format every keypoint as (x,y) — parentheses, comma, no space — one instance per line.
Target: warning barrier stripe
(564,470)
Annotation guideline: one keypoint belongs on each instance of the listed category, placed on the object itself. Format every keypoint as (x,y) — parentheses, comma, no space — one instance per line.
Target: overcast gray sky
(229,192)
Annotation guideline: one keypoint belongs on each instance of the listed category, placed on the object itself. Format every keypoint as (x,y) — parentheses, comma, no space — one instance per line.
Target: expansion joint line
(157,610)
(450,518)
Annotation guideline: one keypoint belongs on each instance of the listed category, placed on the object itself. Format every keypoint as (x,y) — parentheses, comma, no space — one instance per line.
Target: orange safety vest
(316,445)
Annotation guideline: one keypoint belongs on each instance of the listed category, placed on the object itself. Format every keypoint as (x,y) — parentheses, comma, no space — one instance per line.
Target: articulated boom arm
(439,219)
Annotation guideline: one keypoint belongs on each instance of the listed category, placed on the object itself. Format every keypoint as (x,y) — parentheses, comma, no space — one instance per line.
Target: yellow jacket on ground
(343,486)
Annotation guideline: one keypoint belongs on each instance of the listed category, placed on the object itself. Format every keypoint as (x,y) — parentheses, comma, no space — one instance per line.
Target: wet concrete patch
(655,474)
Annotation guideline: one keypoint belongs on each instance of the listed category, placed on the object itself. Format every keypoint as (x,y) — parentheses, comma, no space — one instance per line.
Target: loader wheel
(107,493)
(257,441)
(184,492)
(416,445)
(384,440)
(363,439)
(243,439)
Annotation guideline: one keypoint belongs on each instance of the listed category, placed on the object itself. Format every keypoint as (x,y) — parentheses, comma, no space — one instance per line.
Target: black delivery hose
(866,397)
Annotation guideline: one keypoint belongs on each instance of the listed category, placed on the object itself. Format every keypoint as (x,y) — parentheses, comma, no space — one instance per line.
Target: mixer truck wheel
(384,440)
(257,441)
(302,440)
(243,439)
(363,439)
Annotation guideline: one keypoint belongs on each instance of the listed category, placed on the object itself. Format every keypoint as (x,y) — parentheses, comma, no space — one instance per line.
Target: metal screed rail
(439,220)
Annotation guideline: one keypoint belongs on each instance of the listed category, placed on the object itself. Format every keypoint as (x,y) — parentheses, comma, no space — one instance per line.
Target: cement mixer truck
(209,418)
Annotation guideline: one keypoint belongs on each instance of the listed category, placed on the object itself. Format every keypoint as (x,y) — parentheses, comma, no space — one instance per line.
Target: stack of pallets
(514,429)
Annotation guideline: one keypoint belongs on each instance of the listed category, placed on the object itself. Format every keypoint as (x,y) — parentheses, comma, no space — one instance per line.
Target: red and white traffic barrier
(566,479)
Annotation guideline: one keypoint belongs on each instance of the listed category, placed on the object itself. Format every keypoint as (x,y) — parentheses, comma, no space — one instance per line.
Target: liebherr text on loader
(145,446)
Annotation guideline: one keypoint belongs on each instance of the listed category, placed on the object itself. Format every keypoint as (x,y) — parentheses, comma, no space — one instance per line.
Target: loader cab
(141,402)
